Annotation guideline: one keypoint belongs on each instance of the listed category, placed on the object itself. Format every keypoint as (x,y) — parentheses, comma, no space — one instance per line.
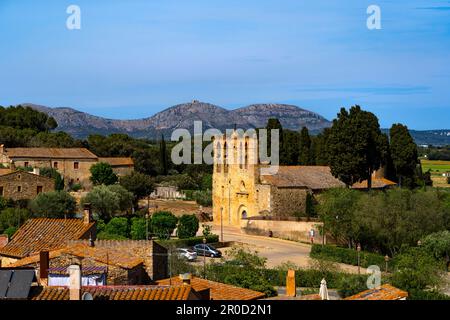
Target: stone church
(241,189)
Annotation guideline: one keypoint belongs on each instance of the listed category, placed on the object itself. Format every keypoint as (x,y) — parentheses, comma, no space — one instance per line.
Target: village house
(103,263)
(242,190)
(23,284)
(72,163)
(22,185)
(39,234)
(217,290)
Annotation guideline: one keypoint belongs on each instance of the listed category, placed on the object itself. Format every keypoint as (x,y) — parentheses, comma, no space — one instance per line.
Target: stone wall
(22,185)
(288,201)
(291,230)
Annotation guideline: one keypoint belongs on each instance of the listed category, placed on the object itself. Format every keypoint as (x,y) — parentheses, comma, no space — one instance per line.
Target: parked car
(207,250)
(188,254)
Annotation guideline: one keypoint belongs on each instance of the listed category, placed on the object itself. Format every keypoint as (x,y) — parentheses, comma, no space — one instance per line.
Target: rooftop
(218,291)
(53,153)
(40,234)
(182,292)
(117,161)
(385,292)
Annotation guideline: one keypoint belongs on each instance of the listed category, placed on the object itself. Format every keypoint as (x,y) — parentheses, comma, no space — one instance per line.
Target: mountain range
(80,124)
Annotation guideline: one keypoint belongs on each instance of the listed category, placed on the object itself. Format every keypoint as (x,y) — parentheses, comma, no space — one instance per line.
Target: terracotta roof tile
(117,161)
(218,291)
(40,234)
(111,256)
(385,292)
(182,292)
(311,177)
(60,153)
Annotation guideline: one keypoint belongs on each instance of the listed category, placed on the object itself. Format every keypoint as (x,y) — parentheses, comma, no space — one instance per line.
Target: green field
(436,167)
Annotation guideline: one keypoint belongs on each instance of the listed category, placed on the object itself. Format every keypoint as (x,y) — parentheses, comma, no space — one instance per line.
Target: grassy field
(437,168)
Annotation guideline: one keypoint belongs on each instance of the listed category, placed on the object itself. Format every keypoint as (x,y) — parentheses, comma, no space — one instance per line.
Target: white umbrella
(323,292)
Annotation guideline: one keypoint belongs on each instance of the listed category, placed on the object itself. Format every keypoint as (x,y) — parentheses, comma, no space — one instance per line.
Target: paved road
(275,250)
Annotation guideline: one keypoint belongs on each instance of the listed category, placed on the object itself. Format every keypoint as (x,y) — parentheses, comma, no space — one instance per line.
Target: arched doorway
(242,213)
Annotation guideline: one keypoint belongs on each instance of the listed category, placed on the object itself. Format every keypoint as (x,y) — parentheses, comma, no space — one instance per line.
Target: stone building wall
(288,201)
(22,185)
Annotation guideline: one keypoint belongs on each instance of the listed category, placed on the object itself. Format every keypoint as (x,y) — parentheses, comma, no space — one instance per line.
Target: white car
(188,254)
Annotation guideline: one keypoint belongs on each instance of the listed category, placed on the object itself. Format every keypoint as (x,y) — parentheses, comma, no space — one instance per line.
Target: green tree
(105,203)
(12,217)
(438,244)
(139,184)
(187,226)
(319,147)
(163,156)
(356,146)
(102,173)
(404,153)
(52,173)
(139,228)
(118,226)
(416,269)
(54,204)
(337,211)
(125,197)
(305,154)
(163,224)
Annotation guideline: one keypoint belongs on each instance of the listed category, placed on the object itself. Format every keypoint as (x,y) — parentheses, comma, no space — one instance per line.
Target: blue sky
(134,58)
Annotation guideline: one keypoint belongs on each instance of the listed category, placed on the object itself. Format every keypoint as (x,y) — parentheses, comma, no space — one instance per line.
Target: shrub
(163,224)
(139,228)
(206,230)
(12,218)
(349,286)
(107,236)
(10,231)
(53,174)
(54,204)
(102,173)
(347,256)
(76,187)
(189,242)
(187,226)
(203,198)
(415,294)
(117,226)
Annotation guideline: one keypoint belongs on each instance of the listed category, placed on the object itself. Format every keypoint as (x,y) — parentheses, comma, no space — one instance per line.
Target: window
(219,158)
(55,165)
(225,158)
(1,191)
(39,189)
(19,188)
(26,164)
(76,165)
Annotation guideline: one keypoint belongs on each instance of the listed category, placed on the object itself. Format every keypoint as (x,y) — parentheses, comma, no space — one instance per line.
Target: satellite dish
(87,296)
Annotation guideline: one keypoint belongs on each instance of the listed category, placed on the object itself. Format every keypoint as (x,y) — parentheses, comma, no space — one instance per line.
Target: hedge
(426,295)
(189,242)
(348,256)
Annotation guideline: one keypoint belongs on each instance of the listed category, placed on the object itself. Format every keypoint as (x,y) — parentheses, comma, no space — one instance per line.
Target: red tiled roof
(182,292)
(117,161)
(40,234)
(385,292)
(53,153)
(110,256)
(311,177)
(377,183)
(218,291)
(4,171)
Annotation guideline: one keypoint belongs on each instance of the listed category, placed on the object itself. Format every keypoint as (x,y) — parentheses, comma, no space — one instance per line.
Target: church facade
(242,189)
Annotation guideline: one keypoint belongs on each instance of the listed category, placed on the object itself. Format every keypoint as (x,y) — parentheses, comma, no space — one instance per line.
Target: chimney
(44,264)
(2,148)
(91,241)
(291,290)
(186,278)
(74,271)
(36,171)
(12,165)
(87,213)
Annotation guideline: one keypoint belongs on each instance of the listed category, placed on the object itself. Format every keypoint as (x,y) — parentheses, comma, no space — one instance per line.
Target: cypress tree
(163,156)
(305,155)
(403,153)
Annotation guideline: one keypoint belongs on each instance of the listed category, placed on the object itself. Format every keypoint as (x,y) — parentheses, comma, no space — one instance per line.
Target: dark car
(207,250)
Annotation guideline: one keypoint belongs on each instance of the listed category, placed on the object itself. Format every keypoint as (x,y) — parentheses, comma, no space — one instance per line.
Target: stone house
(243,187)
(22,185)
(72,163)
(103,262)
